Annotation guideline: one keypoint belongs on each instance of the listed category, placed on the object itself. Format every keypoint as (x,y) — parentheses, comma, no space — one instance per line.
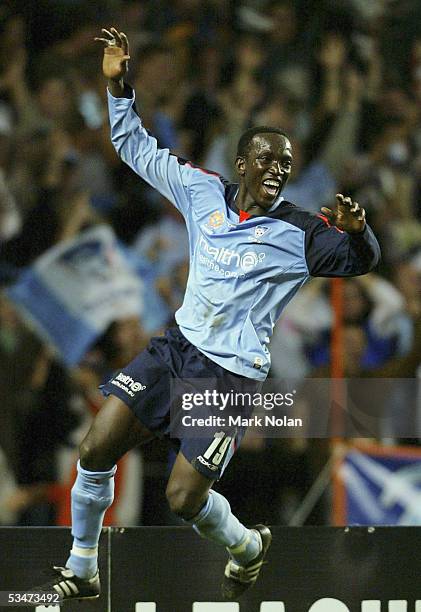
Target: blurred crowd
(343,79)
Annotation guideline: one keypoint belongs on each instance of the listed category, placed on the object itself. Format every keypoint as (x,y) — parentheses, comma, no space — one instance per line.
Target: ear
(240,164)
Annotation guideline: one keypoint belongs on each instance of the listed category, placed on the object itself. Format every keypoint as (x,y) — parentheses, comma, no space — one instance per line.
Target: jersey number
(218,448)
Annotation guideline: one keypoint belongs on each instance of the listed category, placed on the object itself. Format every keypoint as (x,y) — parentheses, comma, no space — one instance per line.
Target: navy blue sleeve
(331,252)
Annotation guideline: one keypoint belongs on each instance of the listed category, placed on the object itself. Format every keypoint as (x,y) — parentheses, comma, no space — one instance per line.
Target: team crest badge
(260,231)
(216,219)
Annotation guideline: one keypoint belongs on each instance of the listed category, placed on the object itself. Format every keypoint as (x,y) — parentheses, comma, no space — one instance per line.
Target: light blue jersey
(242,274)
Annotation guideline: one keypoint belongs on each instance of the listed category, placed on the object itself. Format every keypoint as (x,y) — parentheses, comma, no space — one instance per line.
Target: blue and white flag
(379,486)
(75,290)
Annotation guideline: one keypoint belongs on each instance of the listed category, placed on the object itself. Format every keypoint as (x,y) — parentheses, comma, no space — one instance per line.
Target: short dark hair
(247,137)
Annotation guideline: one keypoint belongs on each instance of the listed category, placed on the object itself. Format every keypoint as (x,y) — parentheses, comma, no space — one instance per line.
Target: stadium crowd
(342,79)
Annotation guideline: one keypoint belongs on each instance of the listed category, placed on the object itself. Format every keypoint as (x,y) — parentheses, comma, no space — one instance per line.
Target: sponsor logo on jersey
(228,257)
(128,384)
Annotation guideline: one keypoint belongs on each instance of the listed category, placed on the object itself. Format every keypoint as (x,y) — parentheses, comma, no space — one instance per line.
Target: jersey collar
(231,190)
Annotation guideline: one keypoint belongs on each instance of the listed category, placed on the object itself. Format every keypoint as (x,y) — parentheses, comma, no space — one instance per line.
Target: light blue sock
(216,522)
(92,494)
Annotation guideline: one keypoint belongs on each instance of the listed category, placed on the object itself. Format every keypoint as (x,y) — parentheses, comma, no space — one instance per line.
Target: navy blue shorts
(146,385)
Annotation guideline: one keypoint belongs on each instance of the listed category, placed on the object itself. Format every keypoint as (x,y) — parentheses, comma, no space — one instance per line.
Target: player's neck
(244,201)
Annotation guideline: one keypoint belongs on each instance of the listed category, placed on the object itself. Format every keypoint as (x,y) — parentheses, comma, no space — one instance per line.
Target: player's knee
(93,458)
(183,502)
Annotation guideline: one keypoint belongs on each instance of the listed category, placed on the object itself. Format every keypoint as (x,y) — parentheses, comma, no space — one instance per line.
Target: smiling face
(265,169)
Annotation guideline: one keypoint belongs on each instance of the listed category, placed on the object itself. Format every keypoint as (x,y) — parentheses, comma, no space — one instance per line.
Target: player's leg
(190,496)
(115,431)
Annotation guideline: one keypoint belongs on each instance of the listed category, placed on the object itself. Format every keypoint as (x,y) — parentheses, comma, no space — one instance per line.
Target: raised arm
(135,146)
(115,63)
(339,242)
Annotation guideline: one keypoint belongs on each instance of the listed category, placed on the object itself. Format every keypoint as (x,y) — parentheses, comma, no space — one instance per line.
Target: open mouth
(272,187)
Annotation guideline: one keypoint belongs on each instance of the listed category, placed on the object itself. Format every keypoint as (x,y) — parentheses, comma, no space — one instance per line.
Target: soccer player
(250,251)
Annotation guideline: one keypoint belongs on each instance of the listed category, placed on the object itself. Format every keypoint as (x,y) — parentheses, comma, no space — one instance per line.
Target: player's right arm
(133,143)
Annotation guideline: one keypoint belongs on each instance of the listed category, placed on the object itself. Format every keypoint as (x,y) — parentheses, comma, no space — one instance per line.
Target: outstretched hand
(116,54)
(347,215)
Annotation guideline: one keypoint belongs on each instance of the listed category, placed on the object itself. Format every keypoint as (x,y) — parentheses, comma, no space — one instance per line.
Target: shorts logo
(211,467)
(216,219)
(127,384)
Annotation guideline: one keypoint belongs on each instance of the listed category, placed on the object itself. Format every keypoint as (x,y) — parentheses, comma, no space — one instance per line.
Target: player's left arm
(339,242)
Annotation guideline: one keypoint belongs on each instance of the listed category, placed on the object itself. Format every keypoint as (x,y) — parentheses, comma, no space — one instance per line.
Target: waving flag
(378,486)
(76,289)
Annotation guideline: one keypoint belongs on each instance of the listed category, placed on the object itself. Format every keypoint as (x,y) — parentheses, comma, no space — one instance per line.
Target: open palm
(116,54)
